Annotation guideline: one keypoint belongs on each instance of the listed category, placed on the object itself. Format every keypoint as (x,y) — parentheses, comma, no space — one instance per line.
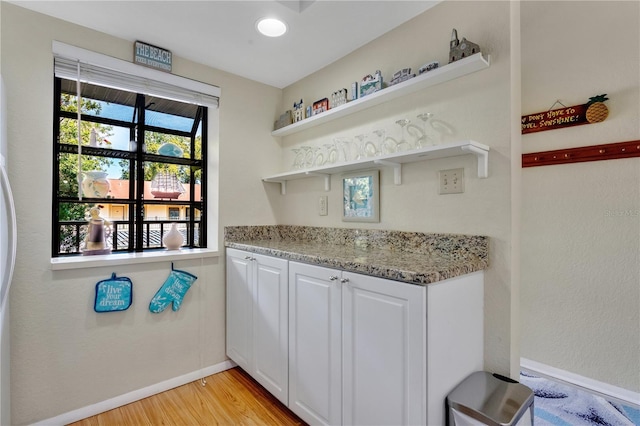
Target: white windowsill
(79,262)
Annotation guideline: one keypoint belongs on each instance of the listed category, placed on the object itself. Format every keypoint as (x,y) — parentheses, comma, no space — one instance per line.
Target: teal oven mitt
(173,290)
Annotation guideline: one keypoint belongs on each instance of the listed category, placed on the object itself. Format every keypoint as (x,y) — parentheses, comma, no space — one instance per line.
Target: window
(140,161)
(174,213)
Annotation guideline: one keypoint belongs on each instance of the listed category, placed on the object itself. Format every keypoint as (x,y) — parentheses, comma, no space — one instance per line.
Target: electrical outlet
(322,206)
(451,181)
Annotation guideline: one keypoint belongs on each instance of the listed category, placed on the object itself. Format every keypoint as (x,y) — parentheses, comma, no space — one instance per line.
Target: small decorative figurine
(461,49)
(173,239)
(95,184)
(93,138)
(400,76)
(166,185)
(170,150)
(354,90)
(320,106)
(298,111)
(338,98)
(284,120)
(428,67)
(371,83)
(98,233)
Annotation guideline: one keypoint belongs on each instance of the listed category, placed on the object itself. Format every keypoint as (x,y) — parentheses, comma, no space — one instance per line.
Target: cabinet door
(315,344)
(384,351)
(240,308)
(270,325)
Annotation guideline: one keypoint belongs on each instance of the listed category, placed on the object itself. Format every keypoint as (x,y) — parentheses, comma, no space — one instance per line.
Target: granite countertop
(409,257)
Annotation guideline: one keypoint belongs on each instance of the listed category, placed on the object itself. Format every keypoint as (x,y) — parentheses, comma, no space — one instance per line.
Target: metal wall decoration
(594,111)
(152,56)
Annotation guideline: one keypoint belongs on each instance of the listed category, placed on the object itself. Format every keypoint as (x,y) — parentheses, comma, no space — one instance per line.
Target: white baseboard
(604,389)
(127,398)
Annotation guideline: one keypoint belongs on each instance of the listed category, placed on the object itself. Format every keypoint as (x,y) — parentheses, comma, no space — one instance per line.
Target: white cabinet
(240,271)
(366,350)
(356,348)
(383,326)
(315,347)
(257,318)
(343,348)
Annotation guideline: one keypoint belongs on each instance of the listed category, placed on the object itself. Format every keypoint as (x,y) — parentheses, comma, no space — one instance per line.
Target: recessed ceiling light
(271,27)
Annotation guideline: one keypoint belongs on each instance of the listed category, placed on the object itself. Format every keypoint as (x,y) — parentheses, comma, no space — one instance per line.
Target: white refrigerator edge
(8,245)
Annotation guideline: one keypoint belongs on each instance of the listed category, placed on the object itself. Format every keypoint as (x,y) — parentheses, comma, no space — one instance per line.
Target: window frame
(136,202)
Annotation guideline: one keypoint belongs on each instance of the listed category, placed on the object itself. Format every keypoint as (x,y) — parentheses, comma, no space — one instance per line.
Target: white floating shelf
(439,75)
(395,160)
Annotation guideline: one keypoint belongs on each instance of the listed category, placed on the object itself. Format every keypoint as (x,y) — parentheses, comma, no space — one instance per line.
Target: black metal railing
(122,238)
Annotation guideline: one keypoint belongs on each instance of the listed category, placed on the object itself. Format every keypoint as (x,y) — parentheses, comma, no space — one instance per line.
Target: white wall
(580,285)
(475,107)
(64,355)
(581,222)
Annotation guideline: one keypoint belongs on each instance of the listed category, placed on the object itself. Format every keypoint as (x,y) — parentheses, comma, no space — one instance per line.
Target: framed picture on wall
(361,196)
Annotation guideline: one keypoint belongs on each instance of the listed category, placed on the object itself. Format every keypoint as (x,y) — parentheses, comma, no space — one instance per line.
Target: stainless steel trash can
(489,399)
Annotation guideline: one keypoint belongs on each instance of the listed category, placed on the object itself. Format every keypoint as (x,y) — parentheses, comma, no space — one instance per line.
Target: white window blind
(107,71)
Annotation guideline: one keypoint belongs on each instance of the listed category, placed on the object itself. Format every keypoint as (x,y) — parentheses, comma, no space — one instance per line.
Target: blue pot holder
(114,294)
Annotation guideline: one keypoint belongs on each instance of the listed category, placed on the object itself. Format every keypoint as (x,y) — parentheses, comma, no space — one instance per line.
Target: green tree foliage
(153,141)
(68,164)
(68,172)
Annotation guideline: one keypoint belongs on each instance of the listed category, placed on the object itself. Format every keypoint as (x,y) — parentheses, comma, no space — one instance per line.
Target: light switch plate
(451,181)
(322,206)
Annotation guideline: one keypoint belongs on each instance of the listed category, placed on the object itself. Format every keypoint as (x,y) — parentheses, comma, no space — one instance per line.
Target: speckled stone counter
(410,257)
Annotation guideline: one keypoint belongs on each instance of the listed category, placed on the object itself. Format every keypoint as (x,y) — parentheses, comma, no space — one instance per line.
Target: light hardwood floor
(231,397)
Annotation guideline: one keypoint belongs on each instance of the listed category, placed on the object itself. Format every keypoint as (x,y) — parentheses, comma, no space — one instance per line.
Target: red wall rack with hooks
(608,151)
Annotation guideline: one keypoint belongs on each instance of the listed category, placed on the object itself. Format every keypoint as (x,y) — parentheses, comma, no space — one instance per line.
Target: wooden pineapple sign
(593,111)
(597,111)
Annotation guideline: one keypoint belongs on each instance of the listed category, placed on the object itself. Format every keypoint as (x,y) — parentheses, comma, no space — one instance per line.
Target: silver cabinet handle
(332,278)
(344,280)
(249,258)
